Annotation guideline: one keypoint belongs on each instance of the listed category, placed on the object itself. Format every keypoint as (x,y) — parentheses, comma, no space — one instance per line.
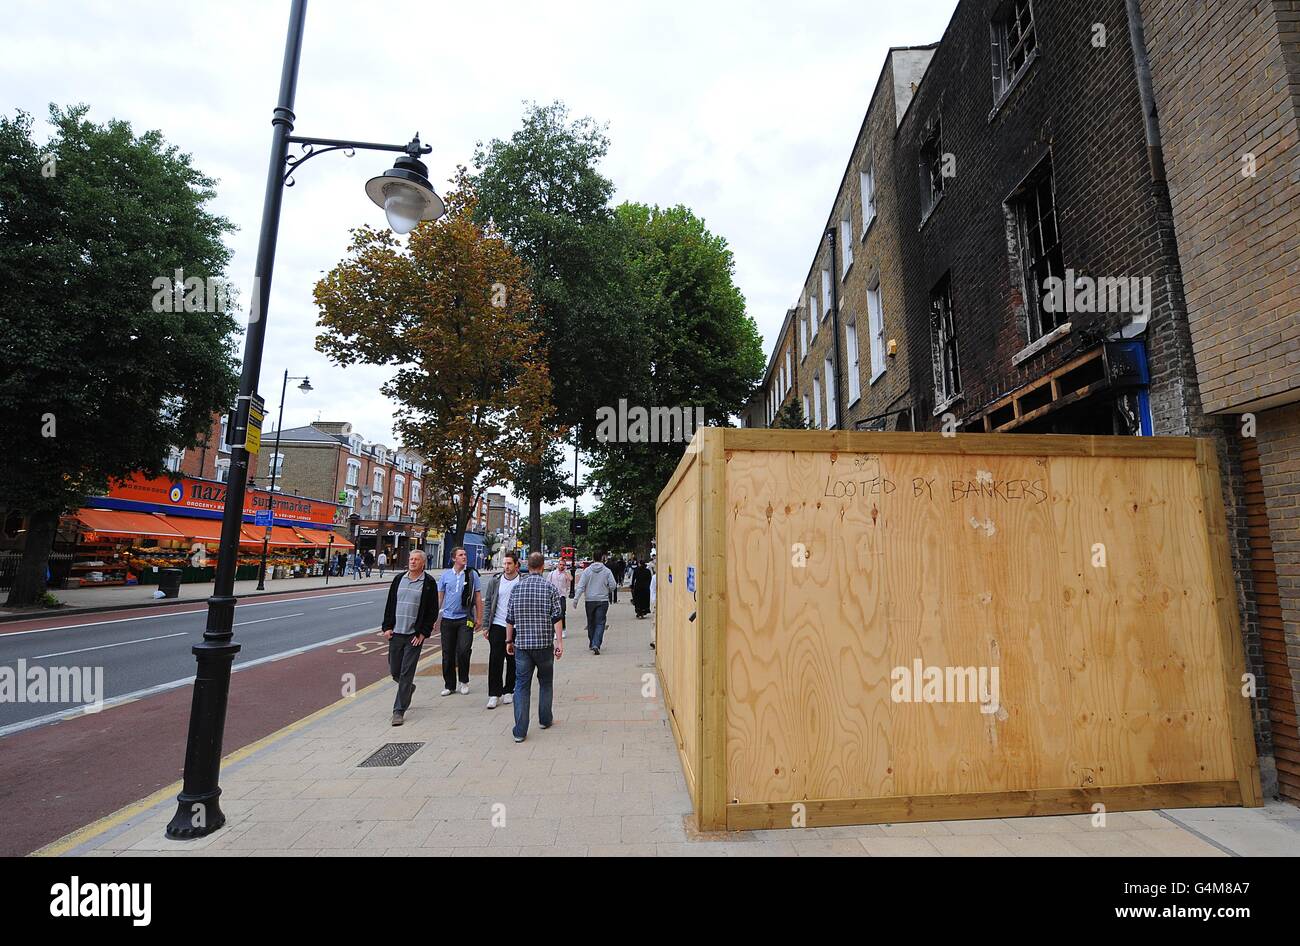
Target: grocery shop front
(144,524)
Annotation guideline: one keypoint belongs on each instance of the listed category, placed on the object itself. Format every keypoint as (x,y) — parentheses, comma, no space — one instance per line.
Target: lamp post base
(196,816)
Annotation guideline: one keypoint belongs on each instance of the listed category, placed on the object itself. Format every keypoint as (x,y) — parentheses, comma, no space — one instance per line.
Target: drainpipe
(835,327)
(1151,124)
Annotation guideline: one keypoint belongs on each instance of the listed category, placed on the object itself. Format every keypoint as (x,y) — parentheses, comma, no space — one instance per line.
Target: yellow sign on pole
(253,442)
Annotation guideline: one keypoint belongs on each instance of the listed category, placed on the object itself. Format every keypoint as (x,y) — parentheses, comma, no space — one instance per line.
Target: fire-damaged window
(1041,259)
(931,166)
(943,342)
(1014,43)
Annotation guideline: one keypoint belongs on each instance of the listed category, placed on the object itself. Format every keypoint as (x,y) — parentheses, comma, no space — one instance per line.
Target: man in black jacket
(409,614)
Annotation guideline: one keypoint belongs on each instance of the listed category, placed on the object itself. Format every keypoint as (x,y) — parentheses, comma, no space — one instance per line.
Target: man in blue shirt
(458,591)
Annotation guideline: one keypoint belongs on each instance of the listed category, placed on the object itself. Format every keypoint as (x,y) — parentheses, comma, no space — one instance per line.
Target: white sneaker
(446,692)
(508,698)
(463,688)
(492,702)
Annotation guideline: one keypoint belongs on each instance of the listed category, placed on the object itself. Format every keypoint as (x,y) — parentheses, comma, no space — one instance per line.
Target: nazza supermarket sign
(164,494)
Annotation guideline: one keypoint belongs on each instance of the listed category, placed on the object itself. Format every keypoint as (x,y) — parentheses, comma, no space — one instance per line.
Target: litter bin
(169,582)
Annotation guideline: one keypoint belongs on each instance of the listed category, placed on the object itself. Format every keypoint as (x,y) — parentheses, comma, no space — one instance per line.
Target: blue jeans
(596,611)
(543,660)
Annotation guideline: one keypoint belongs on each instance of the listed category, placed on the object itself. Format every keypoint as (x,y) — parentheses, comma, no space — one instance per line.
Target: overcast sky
(744,111)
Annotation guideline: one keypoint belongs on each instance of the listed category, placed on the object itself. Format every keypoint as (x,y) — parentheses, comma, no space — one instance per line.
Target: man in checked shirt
(533,637)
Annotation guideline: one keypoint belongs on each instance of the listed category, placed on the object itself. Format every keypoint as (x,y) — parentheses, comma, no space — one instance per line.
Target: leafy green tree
(790,417)
(543,191)
(101,373)
(698,349)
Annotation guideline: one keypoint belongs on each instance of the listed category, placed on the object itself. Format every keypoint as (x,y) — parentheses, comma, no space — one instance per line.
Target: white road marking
(340,607)
(142,640)
(278,617)
(169,614)
(163,687)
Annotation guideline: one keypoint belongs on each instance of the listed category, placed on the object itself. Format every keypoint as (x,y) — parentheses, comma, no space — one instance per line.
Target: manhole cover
(391,754)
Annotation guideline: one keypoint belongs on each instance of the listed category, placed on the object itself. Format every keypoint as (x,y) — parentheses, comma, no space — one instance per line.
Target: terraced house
(1007,251)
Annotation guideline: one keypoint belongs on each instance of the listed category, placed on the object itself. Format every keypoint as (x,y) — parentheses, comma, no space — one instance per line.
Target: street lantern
(305,388)
(405,193)
(407,198)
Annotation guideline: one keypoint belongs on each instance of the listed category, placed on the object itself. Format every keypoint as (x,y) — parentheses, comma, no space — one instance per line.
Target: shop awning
(204,530)
(116,522)
(322,539)
(283,537)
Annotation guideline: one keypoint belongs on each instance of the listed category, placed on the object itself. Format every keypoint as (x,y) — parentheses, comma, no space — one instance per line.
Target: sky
(746,112)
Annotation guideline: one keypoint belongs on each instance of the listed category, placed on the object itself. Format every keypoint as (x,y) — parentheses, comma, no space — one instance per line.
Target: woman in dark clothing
(641,589)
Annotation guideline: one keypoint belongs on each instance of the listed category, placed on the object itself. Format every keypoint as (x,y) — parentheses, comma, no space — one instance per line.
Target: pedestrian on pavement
(562,582)
(641,589)
(533,638)
(383,563)
(370,561)
(356,565)
(408,619)
(458,593)
(618,567)
(597,583)
(497,591)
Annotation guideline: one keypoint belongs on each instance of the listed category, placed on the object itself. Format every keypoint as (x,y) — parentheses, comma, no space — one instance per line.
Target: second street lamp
(198,808)
(305,387)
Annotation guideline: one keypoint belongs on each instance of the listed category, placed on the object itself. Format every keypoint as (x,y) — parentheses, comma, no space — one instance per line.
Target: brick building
(1225,78)
(1003,254)
(328,460)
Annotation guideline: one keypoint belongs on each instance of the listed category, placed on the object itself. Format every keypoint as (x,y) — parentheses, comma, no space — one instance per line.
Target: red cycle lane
(60,777)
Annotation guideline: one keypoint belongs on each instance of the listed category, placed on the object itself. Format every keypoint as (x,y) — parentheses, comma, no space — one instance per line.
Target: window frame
(853,360)
(876,328)
(945,350)
(1036,265)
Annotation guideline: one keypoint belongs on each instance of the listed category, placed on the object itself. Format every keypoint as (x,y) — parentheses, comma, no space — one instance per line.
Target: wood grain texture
(1108,676)
(848,811)
(677,651)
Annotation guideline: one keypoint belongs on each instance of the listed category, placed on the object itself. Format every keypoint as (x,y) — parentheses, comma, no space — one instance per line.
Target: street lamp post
(275,469)
(407,198)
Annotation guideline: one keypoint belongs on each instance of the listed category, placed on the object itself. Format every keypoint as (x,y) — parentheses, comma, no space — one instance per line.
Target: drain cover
(391,754)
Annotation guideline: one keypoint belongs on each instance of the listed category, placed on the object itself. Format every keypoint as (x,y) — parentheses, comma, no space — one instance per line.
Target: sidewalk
(140,596)
(604,780)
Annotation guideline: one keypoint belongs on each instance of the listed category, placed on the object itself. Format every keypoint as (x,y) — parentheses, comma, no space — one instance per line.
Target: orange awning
(322,539)
(128,524)
(283,537)
(203,530)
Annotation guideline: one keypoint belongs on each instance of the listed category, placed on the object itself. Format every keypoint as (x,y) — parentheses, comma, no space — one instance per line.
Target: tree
(543,191)
(555,529)
(698,350)
(101,371)
(450,312)
(790,417)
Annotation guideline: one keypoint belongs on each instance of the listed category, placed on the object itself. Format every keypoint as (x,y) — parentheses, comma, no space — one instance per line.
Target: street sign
(246,425)
(690,577)
(263,517)
(578,526)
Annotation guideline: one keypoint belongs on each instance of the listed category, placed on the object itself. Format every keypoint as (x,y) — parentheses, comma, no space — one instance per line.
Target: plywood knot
(769,514)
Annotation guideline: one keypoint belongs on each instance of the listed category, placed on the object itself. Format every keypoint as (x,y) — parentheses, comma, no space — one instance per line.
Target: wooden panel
(842,811)
(929,549)
(677,652)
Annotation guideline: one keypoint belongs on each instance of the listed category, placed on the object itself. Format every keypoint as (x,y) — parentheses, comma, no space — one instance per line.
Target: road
(62,768)
(144,653)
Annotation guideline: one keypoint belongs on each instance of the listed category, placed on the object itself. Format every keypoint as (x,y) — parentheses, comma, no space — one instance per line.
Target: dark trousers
(499,661)
(402,658)
(596,611)
(526,661)
(457,639)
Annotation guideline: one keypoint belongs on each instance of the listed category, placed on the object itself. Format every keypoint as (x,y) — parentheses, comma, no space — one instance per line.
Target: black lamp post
(407,198)
(275,470)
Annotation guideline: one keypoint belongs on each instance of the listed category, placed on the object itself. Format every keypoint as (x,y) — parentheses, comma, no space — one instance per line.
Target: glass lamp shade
(402,207)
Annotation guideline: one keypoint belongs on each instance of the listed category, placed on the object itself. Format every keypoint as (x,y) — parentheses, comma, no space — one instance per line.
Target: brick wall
(1227,83)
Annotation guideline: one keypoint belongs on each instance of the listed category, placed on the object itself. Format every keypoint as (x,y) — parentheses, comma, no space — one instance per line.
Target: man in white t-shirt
(497,590)
(383,563)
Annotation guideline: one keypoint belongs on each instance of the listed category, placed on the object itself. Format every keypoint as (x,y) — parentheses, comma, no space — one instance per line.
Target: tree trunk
(29,580)
(535,519)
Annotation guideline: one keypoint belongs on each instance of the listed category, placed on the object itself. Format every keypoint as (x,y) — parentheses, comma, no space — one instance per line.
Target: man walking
(562,582)
(458,591)
(597,583)
(356,565)
(408,618)
(533,638)
(497,592)
(383,563)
